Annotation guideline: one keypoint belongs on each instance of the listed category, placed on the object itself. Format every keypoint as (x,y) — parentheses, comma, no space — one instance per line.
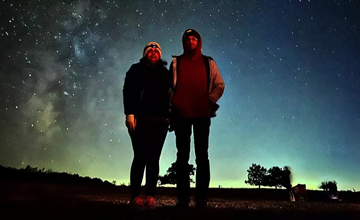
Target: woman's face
(153,55)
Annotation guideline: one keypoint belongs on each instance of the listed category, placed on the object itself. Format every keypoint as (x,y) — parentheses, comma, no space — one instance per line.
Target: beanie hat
(191,32)
(152,45)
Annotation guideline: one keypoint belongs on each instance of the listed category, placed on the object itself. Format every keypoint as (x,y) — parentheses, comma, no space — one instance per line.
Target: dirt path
(56,206)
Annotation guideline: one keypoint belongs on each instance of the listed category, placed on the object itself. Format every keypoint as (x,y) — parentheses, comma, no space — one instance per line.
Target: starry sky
(291,71)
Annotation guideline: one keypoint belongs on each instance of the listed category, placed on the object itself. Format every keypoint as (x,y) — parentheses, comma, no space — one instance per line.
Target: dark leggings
(147,141)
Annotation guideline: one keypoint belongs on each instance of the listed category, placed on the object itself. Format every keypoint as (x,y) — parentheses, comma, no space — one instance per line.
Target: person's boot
(201,203)
(182,203)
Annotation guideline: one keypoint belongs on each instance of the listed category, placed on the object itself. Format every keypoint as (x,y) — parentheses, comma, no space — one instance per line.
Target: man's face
(192,42)
(153,55)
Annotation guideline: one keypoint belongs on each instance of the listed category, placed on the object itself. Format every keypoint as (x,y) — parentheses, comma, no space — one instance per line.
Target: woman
(146,96)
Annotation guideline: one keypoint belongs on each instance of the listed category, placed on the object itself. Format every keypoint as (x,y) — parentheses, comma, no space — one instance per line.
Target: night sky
(291,70)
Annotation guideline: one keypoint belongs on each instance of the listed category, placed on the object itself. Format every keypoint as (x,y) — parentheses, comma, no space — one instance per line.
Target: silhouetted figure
(197,86)
(286,182)
(146,104)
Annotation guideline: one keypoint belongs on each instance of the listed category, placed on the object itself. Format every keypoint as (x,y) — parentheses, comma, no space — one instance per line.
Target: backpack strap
(207,67)
(174,69)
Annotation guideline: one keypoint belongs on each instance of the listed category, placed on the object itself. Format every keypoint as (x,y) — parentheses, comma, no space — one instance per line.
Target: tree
(273,177)
(256,175)
(329,186)
(170,176)
(267,180)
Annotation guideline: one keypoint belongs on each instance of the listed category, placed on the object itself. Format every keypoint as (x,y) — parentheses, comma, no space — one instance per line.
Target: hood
(192,32)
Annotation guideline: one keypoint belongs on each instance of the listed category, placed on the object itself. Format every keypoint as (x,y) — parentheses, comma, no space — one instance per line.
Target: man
(286,182)
(197,86)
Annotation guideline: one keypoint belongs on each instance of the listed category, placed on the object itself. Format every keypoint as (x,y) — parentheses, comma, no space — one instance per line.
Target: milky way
(291,70)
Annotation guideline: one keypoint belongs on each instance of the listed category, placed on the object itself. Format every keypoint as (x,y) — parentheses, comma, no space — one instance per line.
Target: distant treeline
(34,174)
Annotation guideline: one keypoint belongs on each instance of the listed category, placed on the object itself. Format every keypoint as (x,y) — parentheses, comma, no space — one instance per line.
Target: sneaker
(150,202)
(137,203)
(201,203)
(182,204)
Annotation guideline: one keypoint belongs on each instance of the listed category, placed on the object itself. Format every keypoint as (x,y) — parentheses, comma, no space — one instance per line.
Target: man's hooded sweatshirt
(191,97)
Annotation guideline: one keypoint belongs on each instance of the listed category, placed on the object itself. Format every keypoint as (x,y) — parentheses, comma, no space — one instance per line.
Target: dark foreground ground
(29,201)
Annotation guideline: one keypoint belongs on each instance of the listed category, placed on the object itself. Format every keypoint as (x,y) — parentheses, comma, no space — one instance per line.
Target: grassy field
(51,201)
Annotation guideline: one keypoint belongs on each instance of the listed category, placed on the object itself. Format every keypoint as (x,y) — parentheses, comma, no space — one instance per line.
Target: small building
(300,192)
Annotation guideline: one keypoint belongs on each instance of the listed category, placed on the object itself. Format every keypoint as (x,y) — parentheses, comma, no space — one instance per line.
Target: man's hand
(130,122)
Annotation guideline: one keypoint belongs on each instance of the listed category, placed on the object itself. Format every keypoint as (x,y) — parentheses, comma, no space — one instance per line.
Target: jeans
(183,129)
(147,142)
